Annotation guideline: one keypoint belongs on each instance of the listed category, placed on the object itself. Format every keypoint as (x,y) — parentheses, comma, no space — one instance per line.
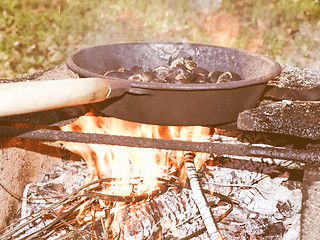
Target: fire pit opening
(148,193)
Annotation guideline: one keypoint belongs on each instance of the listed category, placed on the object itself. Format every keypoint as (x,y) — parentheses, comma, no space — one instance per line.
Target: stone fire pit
(291,100)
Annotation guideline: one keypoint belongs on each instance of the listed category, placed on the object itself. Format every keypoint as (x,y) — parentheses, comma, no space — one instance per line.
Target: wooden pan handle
(26,97)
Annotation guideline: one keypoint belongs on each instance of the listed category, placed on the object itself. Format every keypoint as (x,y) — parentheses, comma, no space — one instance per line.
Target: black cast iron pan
(178,104)
(155,103)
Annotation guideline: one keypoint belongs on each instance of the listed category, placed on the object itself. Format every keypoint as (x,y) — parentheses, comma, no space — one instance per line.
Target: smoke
(206,5)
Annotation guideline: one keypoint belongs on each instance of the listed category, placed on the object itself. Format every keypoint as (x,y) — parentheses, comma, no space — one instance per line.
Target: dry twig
(199,197)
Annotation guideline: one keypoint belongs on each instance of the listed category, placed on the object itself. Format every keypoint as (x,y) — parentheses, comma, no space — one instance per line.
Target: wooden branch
(200,198)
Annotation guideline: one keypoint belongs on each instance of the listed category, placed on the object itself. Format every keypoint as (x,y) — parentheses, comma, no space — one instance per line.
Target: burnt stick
(200,198)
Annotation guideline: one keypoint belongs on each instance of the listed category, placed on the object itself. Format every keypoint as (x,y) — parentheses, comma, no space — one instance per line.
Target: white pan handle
(26,97)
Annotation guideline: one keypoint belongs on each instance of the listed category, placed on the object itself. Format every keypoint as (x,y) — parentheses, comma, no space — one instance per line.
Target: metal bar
(304,156)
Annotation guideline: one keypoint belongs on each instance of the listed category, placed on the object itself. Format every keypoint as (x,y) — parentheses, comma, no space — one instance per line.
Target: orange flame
(106,161)
(125,162)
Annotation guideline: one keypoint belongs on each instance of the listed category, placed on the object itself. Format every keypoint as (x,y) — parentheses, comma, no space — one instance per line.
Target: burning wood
(104,162)
(243,199)
(266,208)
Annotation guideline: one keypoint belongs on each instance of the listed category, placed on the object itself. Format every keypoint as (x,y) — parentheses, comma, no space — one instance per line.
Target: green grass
(36,34)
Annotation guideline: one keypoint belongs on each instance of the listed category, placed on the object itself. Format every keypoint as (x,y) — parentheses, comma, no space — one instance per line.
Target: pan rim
(262,79)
